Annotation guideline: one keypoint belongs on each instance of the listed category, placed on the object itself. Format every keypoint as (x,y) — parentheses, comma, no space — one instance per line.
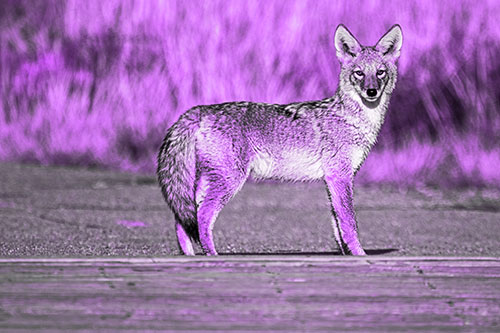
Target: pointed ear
(346,44)
(390,43)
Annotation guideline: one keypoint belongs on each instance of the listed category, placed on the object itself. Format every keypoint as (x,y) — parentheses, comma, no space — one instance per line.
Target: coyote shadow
(299,253)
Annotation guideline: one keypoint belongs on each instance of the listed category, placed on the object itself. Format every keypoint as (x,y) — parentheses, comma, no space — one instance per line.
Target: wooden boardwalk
(251,293)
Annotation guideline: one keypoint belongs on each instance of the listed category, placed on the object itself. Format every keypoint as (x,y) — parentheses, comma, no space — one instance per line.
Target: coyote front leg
(340,190)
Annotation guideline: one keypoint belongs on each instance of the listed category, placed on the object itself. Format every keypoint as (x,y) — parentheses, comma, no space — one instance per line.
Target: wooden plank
(255,258)
(250,293)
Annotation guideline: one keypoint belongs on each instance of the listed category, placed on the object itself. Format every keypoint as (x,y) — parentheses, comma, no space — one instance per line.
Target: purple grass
(99,83)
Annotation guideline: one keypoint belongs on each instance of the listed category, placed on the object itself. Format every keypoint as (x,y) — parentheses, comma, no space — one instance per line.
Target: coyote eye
(359,74)
(380,73)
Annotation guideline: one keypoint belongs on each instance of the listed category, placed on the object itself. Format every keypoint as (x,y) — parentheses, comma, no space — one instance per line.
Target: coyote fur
(209,153)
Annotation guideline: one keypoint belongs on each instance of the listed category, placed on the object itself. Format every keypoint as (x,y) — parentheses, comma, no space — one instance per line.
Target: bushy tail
(177,171)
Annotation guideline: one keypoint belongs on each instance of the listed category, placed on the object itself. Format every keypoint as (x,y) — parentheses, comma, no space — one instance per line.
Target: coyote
(209,153)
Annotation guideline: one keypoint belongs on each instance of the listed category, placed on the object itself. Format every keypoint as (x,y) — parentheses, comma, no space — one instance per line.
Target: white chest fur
(358,155)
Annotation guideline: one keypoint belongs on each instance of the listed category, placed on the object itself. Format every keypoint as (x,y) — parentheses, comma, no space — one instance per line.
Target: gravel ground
(56,211)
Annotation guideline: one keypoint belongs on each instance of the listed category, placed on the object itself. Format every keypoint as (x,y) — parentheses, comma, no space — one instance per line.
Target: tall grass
(99,82)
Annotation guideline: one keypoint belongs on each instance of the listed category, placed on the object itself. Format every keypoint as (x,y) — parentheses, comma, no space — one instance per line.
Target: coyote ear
(390,43)
(346,44)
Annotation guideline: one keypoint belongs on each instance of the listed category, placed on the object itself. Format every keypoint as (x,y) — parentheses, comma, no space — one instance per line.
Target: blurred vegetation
(99,82)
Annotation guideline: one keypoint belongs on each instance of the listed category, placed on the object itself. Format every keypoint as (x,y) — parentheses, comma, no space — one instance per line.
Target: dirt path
(50,211)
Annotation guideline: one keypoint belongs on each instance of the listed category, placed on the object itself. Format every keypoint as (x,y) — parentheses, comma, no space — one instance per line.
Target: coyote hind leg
(213,193)
(183,239)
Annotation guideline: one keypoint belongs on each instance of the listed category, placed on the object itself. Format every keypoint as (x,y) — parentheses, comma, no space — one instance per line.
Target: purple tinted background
(99,82)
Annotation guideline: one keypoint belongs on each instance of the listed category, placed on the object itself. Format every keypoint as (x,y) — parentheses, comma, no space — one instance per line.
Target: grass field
(98,84)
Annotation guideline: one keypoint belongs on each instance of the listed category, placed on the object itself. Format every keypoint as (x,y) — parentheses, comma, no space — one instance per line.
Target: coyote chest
(294,164)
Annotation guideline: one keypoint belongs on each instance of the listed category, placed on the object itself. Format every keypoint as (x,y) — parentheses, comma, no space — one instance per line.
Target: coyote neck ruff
(209,153)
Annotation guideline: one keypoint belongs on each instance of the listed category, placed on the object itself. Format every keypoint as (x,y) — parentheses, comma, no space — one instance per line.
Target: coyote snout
(209,153)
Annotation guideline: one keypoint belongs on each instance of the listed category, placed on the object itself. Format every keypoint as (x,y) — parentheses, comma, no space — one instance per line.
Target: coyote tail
(177,171)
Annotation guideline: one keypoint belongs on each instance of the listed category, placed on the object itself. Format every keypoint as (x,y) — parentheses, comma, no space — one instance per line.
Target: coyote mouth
(371,99)
(371,102)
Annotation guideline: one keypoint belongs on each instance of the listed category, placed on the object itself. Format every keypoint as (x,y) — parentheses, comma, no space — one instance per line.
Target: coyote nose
(371,92)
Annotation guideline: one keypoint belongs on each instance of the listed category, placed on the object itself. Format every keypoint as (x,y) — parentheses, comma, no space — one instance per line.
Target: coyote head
(368,72)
